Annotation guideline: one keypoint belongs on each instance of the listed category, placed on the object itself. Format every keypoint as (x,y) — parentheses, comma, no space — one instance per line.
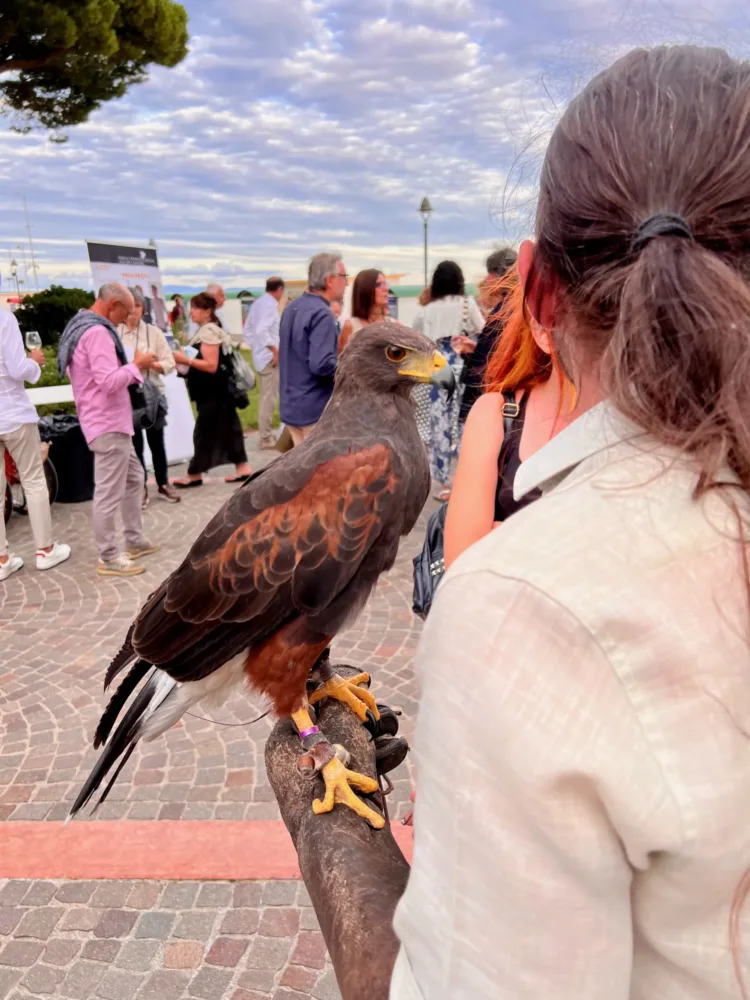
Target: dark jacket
(308,348)
(475,364)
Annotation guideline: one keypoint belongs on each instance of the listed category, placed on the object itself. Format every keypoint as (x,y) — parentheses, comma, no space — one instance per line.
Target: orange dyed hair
(517,361)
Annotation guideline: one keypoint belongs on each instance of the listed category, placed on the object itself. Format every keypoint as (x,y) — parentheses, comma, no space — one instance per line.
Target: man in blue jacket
(308,346)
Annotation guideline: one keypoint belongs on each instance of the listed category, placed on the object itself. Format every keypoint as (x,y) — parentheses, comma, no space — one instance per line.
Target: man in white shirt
(19,435)
(261,334)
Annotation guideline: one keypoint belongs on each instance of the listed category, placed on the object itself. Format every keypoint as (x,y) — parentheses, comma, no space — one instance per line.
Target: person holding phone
(19,434)
(138,335)
(217,438)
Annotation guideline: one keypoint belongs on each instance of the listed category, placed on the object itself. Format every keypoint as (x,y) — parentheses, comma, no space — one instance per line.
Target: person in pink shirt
(92,354)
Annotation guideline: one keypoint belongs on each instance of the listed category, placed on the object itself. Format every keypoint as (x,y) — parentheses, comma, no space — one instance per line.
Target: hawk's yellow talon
(348,691)
(339,783)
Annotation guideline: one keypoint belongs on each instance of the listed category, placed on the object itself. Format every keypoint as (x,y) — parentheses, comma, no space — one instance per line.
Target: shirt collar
(595,431)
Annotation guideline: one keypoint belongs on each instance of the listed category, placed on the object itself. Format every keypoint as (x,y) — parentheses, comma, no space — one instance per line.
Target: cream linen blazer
(583,743)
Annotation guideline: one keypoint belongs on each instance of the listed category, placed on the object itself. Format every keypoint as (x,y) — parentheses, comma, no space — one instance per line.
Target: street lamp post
(425,210)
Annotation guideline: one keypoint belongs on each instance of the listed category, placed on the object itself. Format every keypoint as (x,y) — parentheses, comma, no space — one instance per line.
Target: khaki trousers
(300,433)
(25,449)
(269,391)
(118,486)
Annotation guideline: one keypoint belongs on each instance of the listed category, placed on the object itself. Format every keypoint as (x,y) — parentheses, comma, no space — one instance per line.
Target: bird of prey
(286,564)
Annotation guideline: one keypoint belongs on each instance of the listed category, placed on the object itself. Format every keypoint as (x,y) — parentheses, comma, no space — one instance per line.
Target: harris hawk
(288,562)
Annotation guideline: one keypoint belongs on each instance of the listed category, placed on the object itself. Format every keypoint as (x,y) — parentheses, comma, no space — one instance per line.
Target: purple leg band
(312,731)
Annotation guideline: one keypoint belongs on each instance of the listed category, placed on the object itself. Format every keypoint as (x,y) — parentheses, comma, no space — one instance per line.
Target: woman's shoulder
(211,333)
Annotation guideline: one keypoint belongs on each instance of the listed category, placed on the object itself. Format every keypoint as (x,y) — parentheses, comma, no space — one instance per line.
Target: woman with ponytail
(583,744)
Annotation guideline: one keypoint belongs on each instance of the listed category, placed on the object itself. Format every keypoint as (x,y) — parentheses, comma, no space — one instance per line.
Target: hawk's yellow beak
(429,368)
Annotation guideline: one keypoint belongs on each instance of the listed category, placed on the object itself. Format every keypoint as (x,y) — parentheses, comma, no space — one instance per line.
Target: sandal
(237,479)
(187,484)
(442,496)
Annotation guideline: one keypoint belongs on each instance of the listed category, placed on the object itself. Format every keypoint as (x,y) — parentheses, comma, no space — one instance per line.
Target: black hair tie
(661,224)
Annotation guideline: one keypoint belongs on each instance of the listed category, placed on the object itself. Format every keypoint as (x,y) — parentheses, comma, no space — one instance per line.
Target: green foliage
(64,58)
(49,376)
(49,311)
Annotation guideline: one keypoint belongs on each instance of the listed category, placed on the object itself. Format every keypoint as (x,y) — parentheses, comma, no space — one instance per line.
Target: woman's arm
(345,335)
(208,363)
(165,358)
(471,510)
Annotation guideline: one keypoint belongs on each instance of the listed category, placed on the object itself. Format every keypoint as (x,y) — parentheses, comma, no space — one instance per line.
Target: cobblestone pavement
(161,941)
(58,631)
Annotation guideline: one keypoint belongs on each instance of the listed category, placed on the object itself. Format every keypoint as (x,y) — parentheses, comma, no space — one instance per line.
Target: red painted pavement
(162,849)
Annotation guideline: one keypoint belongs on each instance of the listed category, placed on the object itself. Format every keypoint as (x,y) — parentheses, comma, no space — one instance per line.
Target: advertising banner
(138,269)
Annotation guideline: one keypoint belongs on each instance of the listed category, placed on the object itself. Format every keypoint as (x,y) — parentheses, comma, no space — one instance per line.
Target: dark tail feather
(123,740)
(118,700)
(125,656)
(126,757)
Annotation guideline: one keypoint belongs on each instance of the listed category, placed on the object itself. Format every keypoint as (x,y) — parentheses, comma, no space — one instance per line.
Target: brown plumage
(290,559)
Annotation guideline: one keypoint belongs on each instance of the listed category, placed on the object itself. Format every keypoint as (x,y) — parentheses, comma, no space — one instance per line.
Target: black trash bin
(70,455)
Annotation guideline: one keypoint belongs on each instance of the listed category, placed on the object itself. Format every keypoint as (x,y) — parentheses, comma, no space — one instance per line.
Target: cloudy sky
(299,125)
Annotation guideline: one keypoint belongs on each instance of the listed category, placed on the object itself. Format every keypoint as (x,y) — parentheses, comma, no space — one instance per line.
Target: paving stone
(183,955)
(138,956)
(247,894)
(42,980)
(13,892)
(214,894)
(118,985)
(249,995)
(116,924)
(195,926)
(226,952)
(40,894)
(75,892)
(279,922)
(60,951)
(144,896)
(82,979)
(80,919)
(10,916)
(155,925)
(241,922)
(111,895)
(101,951)
(179,895)
(327,988)
(279,893)
(310,951)
(268,953)
(164,985)
(8,979)
(20,953)
(39,923)
(260,980)
(297,978)
(210,984)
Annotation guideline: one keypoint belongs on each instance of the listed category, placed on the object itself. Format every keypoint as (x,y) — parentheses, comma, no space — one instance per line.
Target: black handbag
(429,565)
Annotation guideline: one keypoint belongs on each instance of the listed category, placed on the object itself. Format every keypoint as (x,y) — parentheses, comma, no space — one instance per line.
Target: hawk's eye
(395,354)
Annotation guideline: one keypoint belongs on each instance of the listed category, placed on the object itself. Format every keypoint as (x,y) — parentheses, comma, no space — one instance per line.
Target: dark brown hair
(666,324)
(363,293)
(205,301)
(274,284)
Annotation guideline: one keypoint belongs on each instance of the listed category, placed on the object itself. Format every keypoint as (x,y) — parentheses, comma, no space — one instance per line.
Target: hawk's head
(391,357)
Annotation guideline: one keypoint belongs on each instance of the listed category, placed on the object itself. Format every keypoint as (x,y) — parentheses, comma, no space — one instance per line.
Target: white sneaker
(13,564)
(56,555)
(119,566)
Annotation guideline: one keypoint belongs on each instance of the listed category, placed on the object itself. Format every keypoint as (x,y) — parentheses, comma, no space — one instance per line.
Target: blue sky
(299,125)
